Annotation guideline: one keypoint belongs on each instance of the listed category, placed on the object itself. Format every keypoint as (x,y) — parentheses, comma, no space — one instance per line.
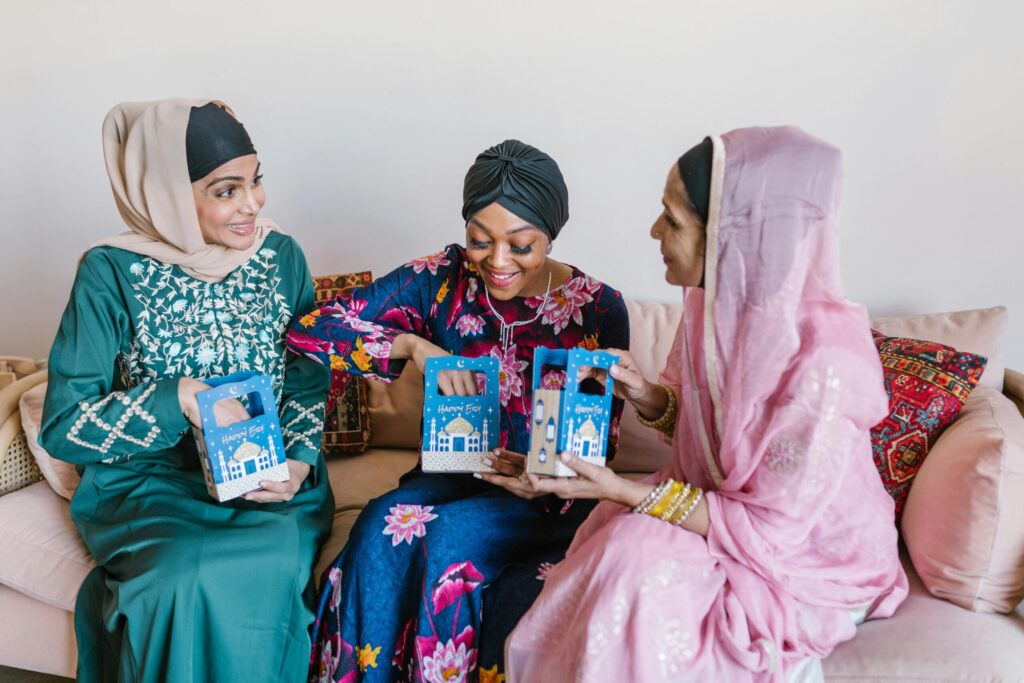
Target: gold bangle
(665,422)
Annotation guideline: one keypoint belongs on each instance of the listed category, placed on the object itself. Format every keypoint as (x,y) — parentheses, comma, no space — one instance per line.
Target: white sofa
(43,561)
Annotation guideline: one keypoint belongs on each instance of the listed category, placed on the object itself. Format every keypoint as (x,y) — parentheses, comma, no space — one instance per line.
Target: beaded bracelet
(690,507)
(666,422)
(680,496)
(644,506)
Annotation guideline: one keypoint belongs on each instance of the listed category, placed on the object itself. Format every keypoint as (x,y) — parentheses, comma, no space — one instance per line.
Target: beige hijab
(144,149)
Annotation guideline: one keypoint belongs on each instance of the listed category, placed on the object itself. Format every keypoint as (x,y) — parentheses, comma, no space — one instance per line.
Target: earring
(548,250)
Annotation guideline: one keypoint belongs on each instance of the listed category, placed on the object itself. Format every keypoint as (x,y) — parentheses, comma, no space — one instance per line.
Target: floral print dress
(437,572)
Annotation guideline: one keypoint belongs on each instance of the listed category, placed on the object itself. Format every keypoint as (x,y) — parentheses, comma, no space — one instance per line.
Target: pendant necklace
(508,329)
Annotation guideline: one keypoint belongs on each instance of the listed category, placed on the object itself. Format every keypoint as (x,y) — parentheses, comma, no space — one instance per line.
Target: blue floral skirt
(435,575)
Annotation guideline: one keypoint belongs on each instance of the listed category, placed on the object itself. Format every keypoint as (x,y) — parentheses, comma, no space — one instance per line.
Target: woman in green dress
(186,588)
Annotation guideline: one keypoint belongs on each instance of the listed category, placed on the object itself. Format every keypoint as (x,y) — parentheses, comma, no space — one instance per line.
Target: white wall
(366,116)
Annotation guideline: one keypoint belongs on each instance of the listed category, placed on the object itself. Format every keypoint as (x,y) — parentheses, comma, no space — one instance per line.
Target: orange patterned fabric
(928,383)
(347,420)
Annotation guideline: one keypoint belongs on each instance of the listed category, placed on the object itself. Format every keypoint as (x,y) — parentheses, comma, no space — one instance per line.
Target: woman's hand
(591,481)
(648,398)
(226,412)
(281,491)
(418,350)
(509,473)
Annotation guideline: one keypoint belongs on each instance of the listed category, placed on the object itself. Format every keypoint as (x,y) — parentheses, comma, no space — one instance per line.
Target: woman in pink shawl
(769,536)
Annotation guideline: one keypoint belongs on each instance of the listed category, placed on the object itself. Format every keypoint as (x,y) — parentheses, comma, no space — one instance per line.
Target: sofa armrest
(1013,387)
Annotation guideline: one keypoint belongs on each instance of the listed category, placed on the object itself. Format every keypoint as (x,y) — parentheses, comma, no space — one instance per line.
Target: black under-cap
(522,179)
(213,137)
(695,170)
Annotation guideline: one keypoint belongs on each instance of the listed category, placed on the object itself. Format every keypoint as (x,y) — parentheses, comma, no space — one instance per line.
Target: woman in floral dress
(437,572)
(186,588)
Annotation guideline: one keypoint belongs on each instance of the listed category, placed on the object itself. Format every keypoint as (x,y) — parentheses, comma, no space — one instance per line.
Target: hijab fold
(145,154)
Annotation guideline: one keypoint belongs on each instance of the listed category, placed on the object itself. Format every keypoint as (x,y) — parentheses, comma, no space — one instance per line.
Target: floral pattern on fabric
(438,571)
(188,327)
(441,298)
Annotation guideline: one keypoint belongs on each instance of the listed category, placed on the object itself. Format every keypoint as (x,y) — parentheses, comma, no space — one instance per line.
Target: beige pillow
(652,329)
(964,518)
(978,331)
(395,409)
(43,556)
(61,476)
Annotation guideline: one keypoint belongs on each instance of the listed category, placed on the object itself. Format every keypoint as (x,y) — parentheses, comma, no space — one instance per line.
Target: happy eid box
(568,420)
(459,430)
(237,457)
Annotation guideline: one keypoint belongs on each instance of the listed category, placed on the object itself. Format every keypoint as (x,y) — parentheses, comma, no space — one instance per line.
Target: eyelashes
(519,251)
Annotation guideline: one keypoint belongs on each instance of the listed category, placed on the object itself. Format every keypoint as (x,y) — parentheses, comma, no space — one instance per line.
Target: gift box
(568,419)
(237,457)
(459,430)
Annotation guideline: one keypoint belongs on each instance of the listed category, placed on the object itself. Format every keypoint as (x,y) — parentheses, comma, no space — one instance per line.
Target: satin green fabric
(185,588)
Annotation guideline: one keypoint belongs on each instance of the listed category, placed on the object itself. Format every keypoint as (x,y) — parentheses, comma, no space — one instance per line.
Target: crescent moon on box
(460,364)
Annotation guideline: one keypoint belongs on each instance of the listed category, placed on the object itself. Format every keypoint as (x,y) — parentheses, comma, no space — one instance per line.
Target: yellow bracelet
(666,422)
(663,500)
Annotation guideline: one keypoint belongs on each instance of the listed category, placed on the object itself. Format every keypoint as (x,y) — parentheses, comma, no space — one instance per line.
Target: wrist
(652,403)
(630,493)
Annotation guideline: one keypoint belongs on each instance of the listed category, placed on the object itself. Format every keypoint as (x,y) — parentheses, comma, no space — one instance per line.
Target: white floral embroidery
(188,327)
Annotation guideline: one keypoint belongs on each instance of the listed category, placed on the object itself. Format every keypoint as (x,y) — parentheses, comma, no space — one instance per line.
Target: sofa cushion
(652,329)
(964,520)
(931,640)
(355,481)
(396,408)
(43,556)
(927,384)
(61,476)
(978,331)
(35,637)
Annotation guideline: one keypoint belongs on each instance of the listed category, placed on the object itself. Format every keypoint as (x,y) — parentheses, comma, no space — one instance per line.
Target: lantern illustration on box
(570,419)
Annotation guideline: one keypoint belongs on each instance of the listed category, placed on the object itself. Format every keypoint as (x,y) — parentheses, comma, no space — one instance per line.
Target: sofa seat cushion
(932,640)
(43,555)
(356,479)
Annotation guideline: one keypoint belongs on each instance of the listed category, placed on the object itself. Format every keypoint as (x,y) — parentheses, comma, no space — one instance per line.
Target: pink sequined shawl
(780,382)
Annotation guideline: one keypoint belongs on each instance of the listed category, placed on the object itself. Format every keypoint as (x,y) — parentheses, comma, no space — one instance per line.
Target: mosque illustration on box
(458,430)
(237,457)
(568,420)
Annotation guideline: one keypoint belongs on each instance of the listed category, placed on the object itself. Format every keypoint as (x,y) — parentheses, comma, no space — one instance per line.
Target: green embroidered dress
(185,588)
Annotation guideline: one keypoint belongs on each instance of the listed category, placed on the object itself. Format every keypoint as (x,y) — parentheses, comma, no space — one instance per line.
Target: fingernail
(566,457)
(497,451)
(478,475)
(487,460)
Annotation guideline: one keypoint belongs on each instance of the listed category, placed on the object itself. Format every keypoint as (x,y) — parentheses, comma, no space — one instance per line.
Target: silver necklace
(508,329)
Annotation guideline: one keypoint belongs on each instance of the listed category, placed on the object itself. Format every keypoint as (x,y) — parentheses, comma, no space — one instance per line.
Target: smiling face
(681,233)
(509,253)
(228,200)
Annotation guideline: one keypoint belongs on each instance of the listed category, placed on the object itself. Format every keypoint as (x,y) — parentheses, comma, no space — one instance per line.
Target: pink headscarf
(780,383)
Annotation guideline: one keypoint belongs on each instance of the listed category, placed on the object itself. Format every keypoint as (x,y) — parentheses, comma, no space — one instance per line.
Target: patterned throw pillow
(928,384)
(347,421)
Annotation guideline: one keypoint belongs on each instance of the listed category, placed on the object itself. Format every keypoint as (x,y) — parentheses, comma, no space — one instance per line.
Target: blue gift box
(459,430)
(236,458)
(568,420)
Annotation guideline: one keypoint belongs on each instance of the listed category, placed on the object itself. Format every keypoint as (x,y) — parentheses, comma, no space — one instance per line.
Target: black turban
(213,137)
(695,170)
(522,179)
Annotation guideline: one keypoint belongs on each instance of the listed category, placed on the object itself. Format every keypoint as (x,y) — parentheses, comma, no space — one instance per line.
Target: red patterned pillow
(928,384)
(347,420)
